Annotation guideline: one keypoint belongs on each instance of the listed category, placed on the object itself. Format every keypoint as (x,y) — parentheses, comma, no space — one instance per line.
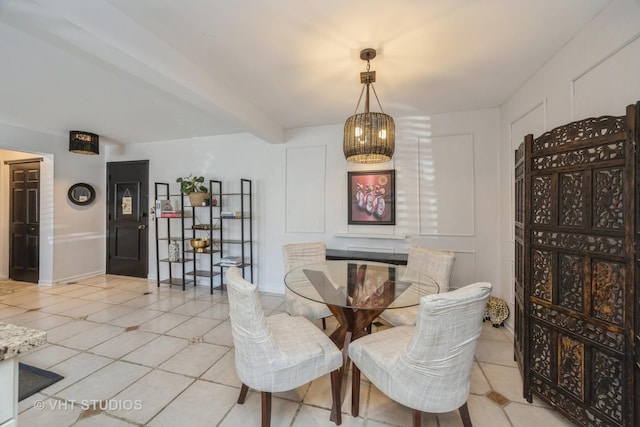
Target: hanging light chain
(376,95)
(360,99)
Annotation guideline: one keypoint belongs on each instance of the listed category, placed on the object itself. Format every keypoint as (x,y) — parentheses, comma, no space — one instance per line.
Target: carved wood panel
(576,285)
(519,292)
(634,129)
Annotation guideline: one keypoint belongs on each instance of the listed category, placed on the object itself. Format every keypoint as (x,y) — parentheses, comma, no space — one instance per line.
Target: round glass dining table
(357,292)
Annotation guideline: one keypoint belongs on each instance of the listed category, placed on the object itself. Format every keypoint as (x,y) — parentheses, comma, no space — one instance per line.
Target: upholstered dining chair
(297,255)
(426,367)
(280,352)
(422,262)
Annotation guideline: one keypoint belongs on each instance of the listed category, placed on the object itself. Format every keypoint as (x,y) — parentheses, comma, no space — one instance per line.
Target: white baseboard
(66,280)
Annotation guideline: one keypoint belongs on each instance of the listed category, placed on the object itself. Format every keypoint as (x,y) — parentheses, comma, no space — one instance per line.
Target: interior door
(127,218)
(24,226)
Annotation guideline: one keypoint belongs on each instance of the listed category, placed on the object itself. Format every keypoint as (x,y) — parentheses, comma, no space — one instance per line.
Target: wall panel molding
(443,209)
(517,126)
(305,195)
(464,268)
(615,57)
(542,103)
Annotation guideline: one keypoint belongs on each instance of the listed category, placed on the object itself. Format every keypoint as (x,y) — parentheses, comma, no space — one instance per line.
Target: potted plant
(193,186)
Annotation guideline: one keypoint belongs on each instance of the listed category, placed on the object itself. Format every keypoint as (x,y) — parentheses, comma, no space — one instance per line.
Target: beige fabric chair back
(436,364)
(252,337)
(279,352)
(432,263)
(299,254)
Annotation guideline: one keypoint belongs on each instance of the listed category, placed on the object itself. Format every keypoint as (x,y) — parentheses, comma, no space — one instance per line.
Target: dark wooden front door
(24,227)
(127,218)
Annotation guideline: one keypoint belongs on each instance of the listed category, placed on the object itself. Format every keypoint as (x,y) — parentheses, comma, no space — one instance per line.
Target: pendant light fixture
(81,142)
(369,137)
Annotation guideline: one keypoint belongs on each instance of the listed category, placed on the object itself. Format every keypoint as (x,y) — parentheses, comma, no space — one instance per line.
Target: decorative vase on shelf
(199,199)
(174,251)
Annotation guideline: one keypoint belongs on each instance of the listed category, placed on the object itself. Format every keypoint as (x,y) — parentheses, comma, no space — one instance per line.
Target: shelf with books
(203,261)
(169,221)
(231,261)
(237,230)
(232,214)
(205,227)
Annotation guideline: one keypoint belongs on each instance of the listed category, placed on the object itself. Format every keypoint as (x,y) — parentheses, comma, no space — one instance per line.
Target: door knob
(141,227)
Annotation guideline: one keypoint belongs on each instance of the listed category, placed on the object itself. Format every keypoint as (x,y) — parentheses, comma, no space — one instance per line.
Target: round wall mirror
(81,194)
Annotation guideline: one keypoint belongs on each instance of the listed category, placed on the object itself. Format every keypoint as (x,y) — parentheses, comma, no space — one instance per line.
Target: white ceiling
(152,70)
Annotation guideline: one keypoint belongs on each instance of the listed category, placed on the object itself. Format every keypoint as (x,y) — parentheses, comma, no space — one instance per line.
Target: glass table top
(358,284)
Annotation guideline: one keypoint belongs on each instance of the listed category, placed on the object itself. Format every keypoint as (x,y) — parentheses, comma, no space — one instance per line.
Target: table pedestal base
(353,324)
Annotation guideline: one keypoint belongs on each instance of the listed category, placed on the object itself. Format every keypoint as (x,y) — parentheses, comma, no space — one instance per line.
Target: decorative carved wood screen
(576,236)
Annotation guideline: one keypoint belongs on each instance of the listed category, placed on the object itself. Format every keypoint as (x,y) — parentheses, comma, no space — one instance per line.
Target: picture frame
(371,197)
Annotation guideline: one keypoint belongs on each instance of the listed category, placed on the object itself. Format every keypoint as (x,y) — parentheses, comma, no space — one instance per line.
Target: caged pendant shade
(369,137)
(83,142)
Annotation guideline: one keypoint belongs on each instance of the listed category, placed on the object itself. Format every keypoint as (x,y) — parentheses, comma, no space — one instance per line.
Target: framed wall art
(372,197)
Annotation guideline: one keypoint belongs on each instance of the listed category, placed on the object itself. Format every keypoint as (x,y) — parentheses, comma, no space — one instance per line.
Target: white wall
(227,158)
(456,154)
(72,238)
(595,74)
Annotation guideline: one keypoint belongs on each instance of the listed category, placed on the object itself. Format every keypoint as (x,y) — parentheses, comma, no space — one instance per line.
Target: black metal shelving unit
(165,232)
(206,221)
(238,225)
(210,228)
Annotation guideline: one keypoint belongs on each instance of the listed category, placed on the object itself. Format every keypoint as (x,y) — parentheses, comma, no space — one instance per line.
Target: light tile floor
(135,354)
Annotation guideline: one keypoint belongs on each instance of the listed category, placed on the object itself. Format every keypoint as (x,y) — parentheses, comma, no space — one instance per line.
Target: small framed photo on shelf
(372,197)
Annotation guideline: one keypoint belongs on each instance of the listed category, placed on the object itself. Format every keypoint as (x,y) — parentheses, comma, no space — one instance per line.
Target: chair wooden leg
(464,414)
(266,408)
(417,418)
(324,323)
(243,394)
(355,390)
(336,386)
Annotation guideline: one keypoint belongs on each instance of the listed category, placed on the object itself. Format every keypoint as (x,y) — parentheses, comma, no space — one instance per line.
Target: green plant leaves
(192,184)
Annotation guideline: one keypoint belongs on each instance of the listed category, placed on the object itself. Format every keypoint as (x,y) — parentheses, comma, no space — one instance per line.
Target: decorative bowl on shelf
(200,244)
